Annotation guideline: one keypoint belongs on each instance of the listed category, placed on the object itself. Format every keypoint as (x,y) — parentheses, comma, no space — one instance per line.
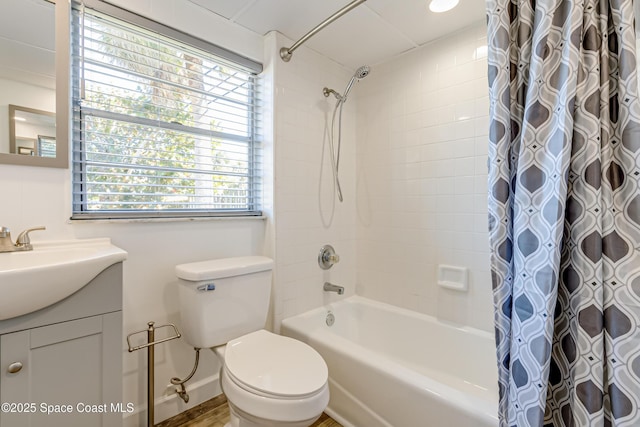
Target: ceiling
(371,33)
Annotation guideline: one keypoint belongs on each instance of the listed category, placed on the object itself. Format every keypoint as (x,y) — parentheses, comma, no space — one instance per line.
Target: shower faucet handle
(327,257)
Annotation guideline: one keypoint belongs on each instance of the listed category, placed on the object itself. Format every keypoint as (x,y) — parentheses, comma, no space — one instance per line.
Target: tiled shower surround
(413,172)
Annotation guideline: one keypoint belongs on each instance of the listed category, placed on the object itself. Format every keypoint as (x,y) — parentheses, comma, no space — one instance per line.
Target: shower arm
(286,52)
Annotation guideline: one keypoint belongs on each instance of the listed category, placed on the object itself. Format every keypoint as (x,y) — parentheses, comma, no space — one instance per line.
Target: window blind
(160,128)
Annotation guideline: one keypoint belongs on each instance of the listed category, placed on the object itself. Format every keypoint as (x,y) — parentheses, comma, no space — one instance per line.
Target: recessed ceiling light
(439,6)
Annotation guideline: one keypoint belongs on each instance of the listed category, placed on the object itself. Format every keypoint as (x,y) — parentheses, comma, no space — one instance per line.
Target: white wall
(422,145)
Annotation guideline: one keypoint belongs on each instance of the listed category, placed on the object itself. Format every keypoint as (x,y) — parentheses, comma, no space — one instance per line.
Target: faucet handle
(5,232)
(327,257)
(23,238)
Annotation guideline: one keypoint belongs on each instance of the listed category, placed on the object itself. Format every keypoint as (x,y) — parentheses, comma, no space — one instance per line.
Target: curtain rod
(286,52)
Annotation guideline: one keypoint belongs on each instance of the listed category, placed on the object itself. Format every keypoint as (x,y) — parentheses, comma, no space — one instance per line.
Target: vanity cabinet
(62,365)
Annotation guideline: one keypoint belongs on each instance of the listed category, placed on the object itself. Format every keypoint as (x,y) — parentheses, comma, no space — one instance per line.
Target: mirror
(34,83)
(32,132)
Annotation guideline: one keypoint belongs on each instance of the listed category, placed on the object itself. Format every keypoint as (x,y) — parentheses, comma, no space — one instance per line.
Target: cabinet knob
(14,368)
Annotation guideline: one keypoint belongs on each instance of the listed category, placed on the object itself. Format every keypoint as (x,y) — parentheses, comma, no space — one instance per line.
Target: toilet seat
(275,366)
(274,378)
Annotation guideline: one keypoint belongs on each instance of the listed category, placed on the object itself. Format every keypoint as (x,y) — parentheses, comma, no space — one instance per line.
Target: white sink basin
(52,271)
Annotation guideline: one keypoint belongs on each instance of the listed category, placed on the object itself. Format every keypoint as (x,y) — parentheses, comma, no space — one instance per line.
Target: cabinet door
(69,375)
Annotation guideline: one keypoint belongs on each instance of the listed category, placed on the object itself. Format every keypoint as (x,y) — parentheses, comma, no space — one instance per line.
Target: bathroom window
(162,127)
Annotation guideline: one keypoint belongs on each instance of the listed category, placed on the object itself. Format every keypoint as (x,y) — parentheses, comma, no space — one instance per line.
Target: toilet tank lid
(223,267)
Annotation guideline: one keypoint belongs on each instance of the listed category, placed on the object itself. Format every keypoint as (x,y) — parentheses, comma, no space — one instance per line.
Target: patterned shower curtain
(564,211)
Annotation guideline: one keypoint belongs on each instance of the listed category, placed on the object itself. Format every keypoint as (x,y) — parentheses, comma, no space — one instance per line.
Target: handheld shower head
(360,74)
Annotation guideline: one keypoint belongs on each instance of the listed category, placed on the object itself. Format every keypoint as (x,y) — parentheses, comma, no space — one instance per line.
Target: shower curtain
(564,211)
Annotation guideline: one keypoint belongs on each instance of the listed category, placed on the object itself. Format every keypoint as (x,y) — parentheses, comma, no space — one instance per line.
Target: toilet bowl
(269,380)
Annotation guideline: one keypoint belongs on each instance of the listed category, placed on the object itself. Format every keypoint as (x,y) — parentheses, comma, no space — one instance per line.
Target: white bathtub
(394,367)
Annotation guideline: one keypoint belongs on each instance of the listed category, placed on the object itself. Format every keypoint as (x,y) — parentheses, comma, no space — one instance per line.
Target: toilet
(269,380)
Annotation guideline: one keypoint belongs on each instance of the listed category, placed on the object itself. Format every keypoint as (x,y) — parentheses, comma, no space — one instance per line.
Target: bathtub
(391,367)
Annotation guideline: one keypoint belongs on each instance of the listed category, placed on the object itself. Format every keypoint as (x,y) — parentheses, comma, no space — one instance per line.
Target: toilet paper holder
(151,343)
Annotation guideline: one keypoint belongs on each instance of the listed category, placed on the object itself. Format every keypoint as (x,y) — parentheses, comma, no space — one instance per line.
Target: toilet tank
(223,299)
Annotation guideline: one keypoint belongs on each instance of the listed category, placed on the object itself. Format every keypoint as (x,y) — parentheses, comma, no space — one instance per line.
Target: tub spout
(330,287)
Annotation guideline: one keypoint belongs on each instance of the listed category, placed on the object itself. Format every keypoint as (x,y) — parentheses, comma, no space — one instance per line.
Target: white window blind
(160,128)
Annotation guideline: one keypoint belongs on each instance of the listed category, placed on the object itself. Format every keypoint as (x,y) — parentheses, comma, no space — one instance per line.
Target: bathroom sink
(52,271)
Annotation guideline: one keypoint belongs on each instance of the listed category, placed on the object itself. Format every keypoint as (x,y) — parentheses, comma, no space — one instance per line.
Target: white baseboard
(337,417)
(167,406)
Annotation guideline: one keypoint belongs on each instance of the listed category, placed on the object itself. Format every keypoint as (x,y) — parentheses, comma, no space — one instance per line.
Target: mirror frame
(63,67)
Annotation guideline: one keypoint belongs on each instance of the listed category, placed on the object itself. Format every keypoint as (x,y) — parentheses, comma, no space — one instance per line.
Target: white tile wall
(422,139)
(306,213)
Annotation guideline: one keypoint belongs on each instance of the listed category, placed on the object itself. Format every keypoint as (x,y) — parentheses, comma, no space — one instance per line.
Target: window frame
(79,206)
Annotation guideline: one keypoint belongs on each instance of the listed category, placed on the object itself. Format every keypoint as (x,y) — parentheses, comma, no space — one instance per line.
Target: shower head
(360,74)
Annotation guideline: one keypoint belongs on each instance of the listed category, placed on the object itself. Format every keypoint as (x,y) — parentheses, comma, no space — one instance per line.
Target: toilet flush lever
(327,257)
(207,287)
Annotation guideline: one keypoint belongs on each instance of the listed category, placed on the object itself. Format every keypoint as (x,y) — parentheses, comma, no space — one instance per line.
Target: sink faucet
(329,287)
(23,243)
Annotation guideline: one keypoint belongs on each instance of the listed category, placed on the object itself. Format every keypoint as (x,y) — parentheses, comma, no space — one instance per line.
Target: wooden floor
(215,413)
